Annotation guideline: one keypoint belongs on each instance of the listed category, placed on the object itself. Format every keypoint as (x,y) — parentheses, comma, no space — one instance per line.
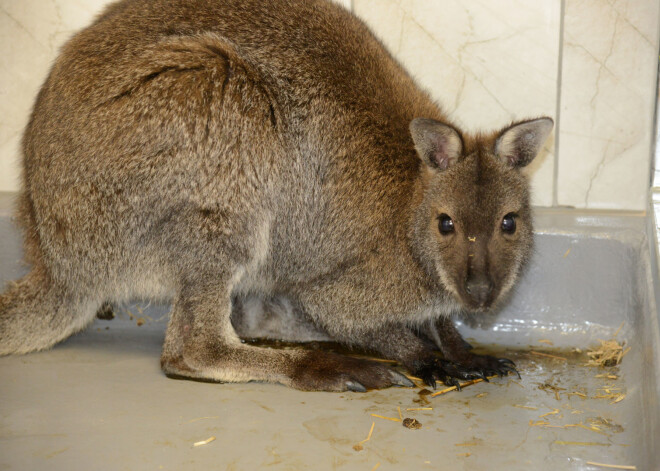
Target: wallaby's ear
(518,144)
(438,145)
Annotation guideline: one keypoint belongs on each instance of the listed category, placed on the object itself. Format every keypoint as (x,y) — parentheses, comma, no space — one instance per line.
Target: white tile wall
(31,32)
(610,61)
(487,61)
(485,65)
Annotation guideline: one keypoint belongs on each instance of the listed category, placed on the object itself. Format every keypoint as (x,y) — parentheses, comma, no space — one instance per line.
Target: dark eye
(509,223)
(446,225)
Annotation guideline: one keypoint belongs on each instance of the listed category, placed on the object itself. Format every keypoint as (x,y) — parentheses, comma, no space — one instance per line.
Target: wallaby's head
(472,228)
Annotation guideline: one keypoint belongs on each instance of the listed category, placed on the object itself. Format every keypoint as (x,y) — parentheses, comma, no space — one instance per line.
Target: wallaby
(205,151)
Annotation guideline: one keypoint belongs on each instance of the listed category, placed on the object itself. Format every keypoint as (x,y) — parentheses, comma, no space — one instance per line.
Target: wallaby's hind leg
(200,343)
(35,314)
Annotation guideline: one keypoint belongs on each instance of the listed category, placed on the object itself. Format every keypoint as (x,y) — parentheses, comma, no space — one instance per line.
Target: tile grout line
(560,59)
(655,132)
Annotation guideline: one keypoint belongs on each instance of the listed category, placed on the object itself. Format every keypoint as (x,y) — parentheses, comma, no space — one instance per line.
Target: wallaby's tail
(35,314)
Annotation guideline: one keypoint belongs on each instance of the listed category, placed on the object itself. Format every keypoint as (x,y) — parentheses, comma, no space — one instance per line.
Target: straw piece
(202,418)
(204,442)
(358,446)
(620,398)
(541,354)
(393,419)
(537,423)
(618,330)
(561,442)
(467,383)
(575,393)
(516,382)
(525,407)
(592,428)
(555,411)
(613,466)
(608,376)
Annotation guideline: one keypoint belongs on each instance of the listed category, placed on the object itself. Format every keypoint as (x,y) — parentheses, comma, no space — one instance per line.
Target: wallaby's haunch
(206,151)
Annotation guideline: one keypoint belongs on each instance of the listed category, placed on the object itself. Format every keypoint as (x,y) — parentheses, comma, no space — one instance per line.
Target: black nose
(479,290)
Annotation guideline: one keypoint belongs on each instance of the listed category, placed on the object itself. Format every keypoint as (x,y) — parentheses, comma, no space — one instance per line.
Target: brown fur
(203,151)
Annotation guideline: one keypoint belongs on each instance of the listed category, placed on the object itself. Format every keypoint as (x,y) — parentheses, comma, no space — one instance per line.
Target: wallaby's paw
(473,367)
(488,365)
(321,371)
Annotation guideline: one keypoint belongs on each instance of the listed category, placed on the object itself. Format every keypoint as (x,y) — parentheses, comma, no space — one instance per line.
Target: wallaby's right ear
(438,144)
(518,144)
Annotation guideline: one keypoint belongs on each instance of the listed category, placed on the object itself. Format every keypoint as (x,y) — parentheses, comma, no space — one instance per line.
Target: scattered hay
(609,353)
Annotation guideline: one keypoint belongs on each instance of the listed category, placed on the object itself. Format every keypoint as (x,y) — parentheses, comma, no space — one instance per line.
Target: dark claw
(481,375)
(507,370)
(472,367)
(506,362)
(451,381)
(355,386)
(401,380)
(427,372)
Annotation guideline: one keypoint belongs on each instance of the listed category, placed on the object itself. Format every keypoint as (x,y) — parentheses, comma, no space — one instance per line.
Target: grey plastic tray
(99,400)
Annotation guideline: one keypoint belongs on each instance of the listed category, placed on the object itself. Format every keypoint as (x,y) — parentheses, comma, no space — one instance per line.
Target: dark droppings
(413,424)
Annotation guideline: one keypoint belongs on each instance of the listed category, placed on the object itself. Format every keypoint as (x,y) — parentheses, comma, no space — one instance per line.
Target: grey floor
(100,401)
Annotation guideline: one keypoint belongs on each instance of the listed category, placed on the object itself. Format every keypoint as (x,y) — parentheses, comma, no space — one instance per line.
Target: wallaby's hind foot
(35,314)
(300,369)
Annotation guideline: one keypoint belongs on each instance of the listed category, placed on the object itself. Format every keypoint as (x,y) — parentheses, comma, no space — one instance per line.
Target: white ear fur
(438,144)
(518,144)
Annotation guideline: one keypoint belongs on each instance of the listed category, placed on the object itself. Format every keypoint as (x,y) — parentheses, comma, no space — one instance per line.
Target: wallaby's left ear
(518,144)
